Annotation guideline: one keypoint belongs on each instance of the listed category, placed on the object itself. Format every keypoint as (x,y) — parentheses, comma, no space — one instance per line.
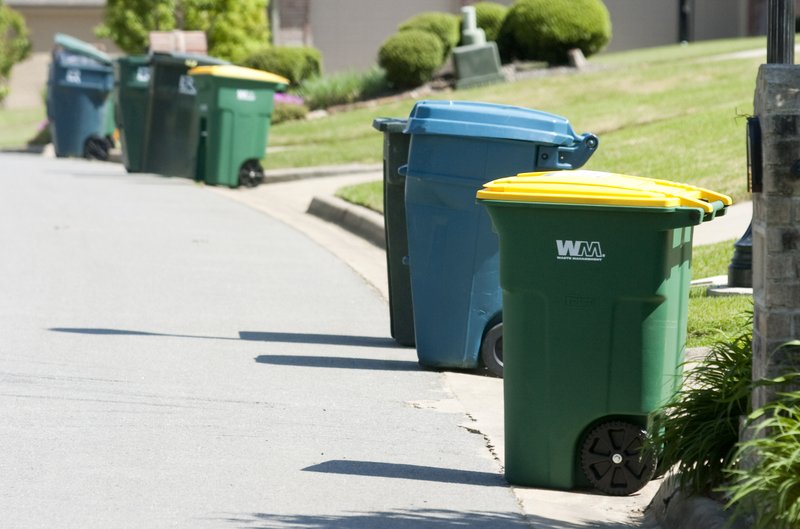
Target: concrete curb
(358,220)
(671,509)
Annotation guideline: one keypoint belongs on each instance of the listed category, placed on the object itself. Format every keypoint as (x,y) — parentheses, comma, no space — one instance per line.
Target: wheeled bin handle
(571,157)
(719,210)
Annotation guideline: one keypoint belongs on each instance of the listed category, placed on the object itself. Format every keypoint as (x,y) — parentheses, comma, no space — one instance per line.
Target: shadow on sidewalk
(250,336)
(415,472)
(322,339)
(339,362)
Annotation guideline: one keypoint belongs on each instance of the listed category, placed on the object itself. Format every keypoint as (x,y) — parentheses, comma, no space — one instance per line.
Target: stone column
(776,227)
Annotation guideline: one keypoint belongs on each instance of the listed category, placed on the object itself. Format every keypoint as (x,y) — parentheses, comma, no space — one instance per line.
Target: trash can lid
(488,120)
(239,72)
(79,47)
(600,188)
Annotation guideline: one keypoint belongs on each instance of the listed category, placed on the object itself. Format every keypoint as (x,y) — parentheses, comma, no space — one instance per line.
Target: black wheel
(492,350)
(251,174)
(96,148)
(612,459)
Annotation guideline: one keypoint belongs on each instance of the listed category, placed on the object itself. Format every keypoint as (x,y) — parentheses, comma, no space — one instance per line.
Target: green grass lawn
(675,112)
(17,126)
(712,319)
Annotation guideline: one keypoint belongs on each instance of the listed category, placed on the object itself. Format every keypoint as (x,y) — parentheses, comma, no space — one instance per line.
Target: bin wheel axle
(251,173)
(492,350)
(612,458)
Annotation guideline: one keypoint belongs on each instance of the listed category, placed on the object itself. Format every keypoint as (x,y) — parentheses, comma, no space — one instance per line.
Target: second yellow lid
(239,72)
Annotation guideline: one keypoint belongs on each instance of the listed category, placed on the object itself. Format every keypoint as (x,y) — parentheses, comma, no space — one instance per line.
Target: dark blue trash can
(456,147)
(79,82)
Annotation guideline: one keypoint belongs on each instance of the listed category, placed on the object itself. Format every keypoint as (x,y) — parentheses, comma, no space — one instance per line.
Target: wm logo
(580,250)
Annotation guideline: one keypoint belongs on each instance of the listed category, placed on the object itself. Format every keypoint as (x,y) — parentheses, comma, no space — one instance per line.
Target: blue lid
(79,47)
(487,120)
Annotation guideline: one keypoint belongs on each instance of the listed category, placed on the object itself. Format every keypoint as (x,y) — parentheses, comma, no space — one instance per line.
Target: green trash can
(171,136)
(395,155)
(131,83)
(234,108)
(595,271)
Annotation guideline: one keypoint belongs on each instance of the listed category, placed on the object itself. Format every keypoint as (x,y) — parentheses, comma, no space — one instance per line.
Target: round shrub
(489,17)
(410,57)
(545,30)
(446,27)
(296,63)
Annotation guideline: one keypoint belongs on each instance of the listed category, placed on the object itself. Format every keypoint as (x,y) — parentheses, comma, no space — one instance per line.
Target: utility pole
(776,207)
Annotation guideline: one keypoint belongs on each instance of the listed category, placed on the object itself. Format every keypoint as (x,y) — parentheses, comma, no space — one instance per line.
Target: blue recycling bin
(456,147)
(79,82)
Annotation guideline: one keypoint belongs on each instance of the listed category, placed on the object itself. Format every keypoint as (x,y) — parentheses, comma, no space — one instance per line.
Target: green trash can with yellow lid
(594,270)
(234,110)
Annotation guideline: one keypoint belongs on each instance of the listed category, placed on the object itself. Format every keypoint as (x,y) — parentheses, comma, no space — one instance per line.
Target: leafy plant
(410,57)
(545,30)
(769,487)
(444,26)
(697,430)
(234,28)
(15,45)
(296,63)
(342,88)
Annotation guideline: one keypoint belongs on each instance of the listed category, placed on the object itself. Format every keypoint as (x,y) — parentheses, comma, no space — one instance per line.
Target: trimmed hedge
(489,17)
(545,30)
(445,26)
(296,63)
(410,57)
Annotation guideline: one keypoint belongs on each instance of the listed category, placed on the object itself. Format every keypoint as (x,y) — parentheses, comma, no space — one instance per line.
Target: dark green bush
(445,26)
(545,30)
(410,57)
(489,17)
(296,63)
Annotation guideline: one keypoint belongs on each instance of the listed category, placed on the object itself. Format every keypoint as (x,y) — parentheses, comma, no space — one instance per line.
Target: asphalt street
(172,358)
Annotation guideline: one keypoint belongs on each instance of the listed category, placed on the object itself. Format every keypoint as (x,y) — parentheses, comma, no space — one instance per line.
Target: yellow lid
(238,72)
(595,187)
